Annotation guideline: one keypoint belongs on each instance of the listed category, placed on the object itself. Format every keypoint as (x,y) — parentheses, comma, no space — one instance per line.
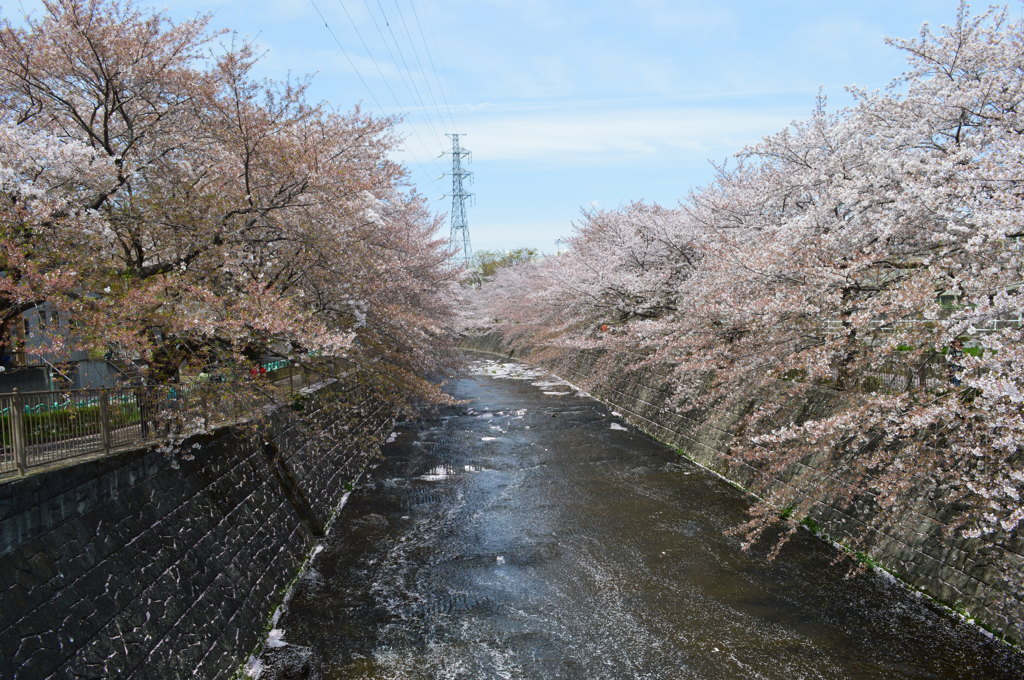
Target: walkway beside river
(529,533)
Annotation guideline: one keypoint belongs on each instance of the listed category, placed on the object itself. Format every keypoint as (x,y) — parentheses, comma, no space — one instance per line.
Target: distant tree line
(486,263)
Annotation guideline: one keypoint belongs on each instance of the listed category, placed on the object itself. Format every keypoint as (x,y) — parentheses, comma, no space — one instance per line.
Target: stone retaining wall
(148,565)
(986,582)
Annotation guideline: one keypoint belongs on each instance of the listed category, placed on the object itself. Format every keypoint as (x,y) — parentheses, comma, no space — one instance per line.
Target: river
(531,533)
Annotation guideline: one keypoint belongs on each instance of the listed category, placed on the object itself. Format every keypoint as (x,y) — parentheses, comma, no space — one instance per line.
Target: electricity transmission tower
(460,229)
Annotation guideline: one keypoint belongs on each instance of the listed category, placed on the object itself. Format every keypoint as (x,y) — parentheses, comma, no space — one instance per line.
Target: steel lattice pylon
(460,228)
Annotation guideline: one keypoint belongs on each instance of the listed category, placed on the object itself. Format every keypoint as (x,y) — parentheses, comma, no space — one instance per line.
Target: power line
(430,57)
(347,57)
(405,72)
(369,90)
(409,71)
(419,62)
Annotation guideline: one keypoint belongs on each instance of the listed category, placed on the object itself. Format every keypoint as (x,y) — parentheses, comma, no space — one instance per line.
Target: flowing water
(530,533)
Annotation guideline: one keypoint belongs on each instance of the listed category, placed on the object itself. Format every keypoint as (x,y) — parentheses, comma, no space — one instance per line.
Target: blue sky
(569,103)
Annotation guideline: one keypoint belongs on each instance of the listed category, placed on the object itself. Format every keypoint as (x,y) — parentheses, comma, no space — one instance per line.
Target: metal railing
(38,428)
(42,427)
(934,373)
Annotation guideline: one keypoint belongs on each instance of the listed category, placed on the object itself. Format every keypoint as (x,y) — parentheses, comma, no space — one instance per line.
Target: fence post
(105,419)
(142,399)
(18,433)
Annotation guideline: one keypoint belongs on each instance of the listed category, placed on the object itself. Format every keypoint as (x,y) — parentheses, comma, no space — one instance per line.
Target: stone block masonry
(148,565)
(984,581)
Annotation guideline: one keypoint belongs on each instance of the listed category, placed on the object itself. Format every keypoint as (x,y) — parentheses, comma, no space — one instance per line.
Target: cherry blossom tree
(871,252)
(183,210)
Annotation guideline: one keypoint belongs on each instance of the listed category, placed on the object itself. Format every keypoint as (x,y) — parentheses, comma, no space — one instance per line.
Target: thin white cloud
(687,17)
(636,102)
(607,135)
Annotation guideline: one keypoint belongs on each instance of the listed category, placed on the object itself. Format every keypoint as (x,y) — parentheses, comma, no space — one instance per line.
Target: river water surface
(530,533)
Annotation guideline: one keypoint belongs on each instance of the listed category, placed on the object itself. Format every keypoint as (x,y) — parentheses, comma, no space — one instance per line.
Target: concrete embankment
(149,564)
(983,581)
